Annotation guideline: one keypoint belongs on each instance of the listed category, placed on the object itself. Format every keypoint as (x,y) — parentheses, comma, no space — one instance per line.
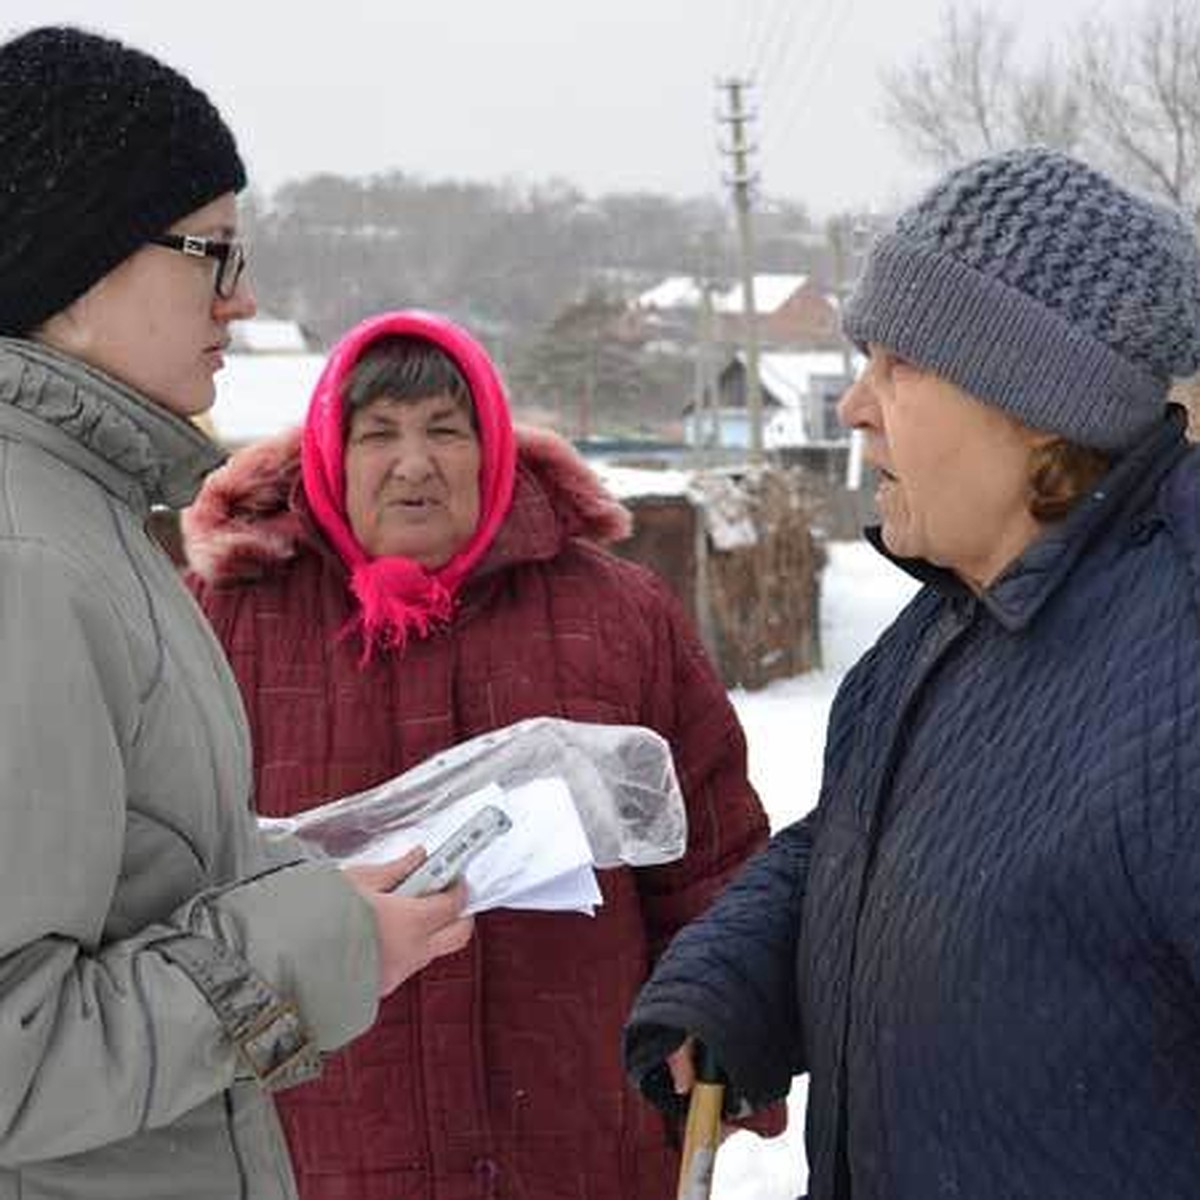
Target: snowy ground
(785,727)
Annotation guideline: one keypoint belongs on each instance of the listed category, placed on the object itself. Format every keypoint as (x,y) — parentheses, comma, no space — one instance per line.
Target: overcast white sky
(609,94)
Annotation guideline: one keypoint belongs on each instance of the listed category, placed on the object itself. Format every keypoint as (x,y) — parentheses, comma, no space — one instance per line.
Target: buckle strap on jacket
(267,1029)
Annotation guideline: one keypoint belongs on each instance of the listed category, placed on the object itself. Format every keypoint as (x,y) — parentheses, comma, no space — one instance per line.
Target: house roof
(771,292)
(267,335)
(676,291)
(789,375)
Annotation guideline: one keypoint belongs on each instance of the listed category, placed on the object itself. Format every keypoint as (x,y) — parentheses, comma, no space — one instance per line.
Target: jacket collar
(135,448)
(532,531)
(1019,594)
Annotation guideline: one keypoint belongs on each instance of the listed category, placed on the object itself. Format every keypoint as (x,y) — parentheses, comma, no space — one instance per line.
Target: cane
(702,1134)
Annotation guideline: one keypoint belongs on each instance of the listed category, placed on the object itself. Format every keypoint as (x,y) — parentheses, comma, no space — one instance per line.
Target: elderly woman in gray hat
(161,967)
(983,945)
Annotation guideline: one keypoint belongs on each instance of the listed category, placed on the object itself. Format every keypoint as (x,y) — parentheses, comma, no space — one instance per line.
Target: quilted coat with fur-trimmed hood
(495,1072)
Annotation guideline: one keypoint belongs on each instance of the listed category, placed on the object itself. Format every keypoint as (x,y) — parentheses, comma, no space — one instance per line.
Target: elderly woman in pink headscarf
(405,573)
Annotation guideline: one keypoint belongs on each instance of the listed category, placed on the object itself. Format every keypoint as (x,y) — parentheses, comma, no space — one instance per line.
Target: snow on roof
(789,376)
(259,395)
(676,291)
(683,291)
(771,292)
(631,483)
(723,506)
(267,335)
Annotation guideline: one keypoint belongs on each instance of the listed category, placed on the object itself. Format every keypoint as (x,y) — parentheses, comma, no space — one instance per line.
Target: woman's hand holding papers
(411,931)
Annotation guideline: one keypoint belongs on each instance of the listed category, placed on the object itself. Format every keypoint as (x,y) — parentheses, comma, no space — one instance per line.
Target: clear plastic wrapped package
(620,777)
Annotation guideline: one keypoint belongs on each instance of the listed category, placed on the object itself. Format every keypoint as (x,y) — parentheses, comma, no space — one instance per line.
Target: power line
(782,47)
(813,66)
(756,28)
(788,73)
(818,30)
(769,36)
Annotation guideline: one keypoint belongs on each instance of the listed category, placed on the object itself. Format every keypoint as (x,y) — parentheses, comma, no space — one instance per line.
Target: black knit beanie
(1041,286)
(101,146)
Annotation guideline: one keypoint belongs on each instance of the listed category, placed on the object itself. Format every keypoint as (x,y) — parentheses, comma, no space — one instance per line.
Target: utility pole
(706,406)
(838,232)
(847,236)
(740,181)
(700,380)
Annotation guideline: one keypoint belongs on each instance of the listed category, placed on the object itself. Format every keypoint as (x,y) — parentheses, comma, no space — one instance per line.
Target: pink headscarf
(397,596)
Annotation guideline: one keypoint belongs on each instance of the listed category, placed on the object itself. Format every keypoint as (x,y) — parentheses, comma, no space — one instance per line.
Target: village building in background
(800,391)
(792,312)
(270,370)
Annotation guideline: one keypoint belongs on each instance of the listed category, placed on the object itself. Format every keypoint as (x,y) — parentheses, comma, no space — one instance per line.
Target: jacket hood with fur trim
(249,515)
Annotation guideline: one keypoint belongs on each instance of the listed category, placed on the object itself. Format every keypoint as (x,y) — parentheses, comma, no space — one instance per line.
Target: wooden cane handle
(701,1137)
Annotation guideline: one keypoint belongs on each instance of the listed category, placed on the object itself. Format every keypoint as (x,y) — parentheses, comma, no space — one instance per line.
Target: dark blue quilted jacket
(984,943)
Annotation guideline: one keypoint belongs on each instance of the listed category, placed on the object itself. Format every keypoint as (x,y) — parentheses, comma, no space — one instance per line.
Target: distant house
(792,311)
(669,313)
(673,294)
(265,334)
(269,374)
(800,391)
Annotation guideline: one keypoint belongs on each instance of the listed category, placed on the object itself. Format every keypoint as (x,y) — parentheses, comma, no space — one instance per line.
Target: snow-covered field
(785,727)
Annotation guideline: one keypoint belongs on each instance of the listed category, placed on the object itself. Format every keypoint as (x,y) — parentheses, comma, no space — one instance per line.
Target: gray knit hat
(1039,285)
(101,147)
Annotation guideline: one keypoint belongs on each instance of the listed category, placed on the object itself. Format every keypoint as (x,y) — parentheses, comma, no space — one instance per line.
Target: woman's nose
(858,407)
(241,306)
(411,459)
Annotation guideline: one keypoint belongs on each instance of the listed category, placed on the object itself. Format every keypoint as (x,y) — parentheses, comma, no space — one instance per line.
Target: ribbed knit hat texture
(101,146)
(1039,285)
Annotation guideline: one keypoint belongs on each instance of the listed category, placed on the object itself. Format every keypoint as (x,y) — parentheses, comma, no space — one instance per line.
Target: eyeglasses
(230,256)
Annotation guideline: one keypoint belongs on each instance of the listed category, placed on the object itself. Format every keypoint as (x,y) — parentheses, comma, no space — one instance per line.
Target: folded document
(543,862)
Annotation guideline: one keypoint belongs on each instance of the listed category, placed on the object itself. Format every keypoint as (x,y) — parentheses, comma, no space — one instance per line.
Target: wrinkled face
(154,322)
(412,478)
(954,472)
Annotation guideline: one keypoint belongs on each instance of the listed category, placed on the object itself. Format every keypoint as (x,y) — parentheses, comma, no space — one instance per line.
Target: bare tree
(1141,93)
(1125,92)
(969,96)
(1046,107)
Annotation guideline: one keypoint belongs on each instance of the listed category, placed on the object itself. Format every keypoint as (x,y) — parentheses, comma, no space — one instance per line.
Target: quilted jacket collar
(131,446)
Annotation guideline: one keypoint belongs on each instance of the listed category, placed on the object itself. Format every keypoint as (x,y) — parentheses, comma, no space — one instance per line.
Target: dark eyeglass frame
(230,256)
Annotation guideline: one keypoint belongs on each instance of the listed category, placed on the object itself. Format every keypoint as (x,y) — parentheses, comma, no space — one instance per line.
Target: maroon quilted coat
(495,1072)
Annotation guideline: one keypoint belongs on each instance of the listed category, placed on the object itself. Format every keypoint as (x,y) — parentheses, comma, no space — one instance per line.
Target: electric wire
(811,69)
(770,35)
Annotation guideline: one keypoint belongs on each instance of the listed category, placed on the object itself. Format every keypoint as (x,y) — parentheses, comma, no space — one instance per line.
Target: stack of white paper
(543,862)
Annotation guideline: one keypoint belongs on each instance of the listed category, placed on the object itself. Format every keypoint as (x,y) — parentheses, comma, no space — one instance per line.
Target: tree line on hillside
(541,274)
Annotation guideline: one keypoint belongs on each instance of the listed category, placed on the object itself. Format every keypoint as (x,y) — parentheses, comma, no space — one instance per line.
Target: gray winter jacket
(161,967)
